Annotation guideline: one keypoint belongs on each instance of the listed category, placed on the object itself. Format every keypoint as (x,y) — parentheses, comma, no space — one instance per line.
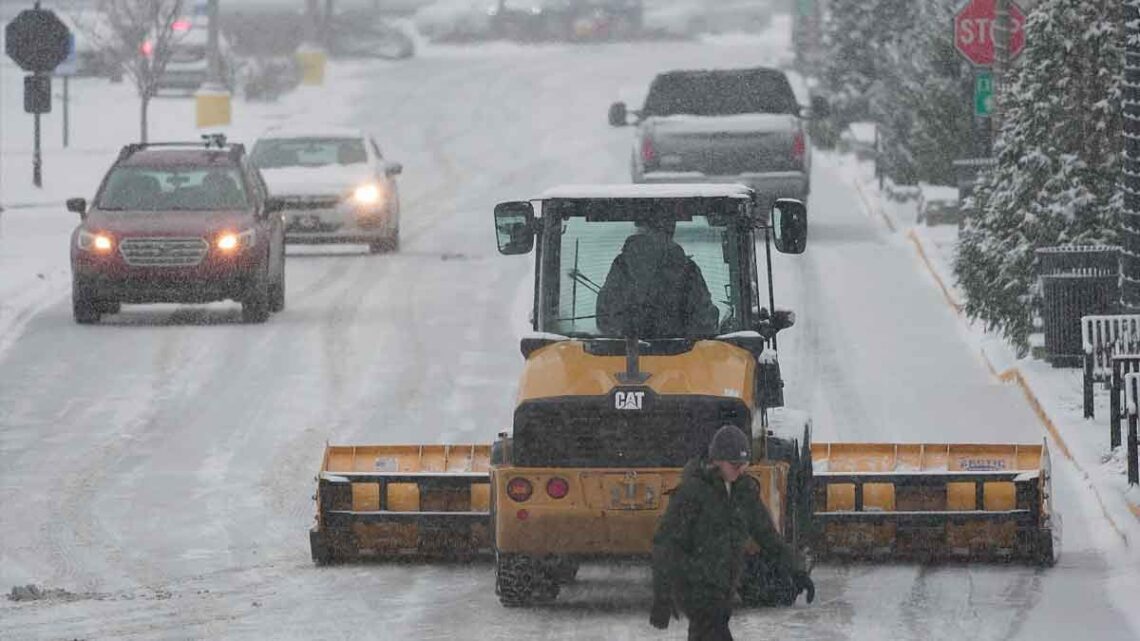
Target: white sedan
(336,187)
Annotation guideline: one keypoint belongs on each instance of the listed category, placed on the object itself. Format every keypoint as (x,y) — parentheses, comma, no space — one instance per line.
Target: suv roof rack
(209,141)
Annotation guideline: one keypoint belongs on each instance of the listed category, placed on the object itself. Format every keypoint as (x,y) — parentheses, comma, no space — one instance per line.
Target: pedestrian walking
(698,550)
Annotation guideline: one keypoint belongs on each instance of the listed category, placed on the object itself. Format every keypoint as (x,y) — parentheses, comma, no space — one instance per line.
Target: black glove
(803,582)
(662,610)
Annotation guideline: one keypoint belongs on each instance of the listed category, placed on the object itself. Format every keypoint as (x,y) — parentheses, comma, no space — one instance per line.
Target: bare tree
(139,34)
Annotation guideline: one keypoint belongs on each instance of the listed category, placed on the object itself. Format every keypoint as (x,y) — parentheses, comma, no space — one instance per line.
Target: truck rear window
(720,93)
(174,188)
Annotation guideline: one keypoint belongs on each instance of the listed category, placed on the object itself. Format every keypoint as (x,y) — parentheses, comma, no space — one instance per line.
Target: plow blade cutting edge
(930,502)
(395,501)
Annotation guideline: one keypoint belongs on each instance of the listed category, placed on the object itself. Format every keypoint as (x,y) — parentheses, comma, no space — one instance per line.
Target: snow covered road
(159,467)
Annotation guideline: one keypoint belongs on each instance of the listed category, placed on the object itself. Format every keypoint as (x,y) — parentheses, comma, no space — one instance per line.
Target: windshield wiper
(585,281)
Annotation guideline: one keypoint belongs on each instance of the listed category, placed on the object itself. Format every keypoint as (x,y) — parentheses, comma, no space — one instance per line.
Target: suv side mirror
(514,227)
(393,169)
(619,116)
(789,226)
(820,107)
(77,205)
(274,205)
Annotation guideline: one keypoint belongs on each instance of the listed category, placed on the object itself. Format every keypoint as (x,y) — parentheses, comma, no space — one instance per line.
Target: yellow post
(212,108)
(312,62)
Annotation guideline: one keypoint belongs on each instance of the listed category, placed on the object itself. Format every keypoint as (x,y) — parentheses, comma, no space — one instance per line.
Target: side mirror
(619,117)
(393,169)
(820,107)
(274,205)
(789,226)
(77,205)
(782,319)
(514,227)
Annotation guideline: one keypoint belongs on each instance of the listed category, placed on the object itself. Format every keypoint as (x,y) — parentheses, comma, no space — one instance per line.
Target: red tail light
(557,488)
(648,153)
(799,147)
(519,489)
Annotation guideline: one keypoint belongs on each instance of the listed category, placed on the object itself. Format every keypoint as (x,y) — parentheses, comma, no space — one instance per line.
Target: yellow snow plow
(932,502)
(606,419)
(402,500)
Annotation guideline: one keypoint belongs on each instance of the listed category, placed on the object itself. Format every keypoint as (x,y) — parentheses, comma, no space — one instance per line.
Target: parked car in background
(361,34)
(96,52)
(938,205)
(335,185)
(455,20)
(178,223)
(189,63)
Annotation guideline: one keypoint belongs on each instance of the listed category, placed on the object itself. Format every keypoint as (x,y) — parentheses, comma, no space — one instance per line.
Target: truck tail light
(519,489)
(799,147)
(557,488)
(648,152)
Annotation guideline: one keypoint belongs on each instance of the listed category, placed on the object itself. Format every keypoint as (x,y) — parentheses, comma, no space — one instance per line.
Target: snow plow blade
(395,501)
(929,503)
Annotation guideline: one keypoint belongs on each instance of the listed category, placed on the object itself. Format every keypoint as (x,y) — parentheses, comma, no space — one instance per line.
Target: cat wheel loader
(606,418)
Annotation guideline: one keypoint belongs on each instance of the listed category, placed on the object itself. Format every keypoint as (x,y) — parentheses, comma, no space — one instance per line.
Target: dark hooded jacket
(698,550)
(654,290)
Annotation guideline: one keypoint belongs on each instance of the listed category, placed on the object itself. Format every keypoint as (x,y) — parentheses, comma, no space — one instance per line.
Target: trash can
(1075,281)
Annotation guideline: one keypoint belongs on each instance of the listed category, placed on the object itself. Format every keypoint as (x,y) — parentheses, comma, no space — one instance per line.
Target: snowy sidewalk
(1053,393)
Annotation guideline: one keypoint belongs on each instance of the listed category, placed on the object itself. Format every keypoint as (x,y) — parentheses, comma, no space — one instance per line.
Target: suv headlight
(97,243)
(232,242)
(367,194)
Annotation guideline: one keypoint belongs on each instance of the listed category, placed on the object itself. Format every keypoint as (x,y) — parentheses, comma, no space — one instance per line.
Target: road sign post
(38,41)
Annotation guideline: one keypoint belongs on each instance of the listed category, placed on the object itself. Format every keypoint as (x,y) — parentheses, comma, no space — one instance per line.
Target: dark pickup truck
(723,126)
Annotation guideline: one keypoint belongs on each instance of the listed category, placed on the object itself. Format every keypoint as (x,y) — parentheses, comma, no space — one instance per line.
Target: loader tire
(765,585)
(521,580)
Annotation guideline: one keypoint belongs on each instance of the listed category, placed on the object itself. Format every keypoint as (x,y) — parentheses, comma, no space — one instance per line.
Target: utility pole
(1130,220)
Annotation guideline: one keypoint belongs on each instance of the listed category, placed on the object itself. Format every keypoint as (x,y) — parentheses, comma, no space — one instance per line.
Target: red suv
(179,223)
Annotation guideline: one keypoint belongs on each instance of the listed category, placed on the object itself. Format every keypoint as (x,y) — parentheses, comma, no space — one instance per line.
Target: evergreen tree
(1058,161)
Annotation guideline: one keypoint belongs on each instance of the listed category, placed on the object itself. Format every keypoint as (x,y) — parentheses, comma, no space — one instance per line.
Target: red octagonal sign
(974,31)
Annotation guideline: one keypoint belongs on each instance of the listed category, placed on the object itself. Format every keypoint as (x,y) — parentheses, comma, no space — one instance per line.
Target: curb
(1011,375)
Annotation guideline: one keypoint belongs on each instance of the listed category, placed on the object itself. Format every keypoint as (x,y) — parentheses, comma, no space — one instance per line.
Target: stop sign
(974,28)
(37,40)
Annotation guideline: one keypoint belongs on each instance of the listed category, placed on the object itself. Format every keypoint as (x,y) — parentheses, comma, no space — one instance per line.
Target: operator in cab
(653,290)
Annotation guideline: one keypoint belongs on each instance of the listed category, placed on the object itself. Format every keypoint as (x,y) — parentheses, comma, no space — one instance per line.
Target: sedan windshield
(275,153)
(174,188)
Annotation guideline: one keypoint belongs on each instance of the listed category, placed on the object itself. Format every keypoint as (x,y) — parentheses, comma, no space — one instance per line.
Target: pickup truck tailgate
(724,145)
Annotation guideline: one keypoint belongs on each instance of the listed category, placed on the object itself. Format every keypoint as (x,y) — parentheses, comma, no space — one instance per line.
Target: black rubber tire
(763,585)
(319,548)
(255,304)
(84,309)
(109,307)
(565,571)
(521,580)
(277,292)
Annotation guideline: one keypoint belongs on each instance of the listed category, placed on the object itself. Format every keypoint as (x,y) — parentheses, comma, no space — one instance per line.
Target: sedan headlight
(97,243)
(368,194)
(232,242)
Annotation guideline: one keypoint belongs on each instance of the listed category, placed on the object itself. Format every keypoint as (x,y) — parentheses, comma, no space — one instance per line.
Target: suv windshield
(308,152)
(174,188)
(618,276)
(720,93)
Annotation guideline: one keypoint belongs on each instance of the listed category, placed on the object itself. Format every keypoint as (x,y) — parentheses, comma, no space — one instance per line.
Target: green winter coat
(698,550)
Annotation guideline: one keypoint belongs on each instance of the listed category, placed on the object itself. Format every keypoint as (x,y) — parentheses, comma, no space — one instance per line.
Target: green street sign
(983,93)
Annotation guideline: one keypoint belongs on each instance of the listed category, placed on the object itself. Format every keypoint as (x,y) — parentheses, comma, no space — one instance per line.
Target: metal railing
(1103,337)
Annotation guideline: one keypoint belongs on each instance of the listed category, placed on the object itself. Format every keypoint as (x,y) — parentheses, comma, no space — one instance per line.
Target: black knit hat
(729,444)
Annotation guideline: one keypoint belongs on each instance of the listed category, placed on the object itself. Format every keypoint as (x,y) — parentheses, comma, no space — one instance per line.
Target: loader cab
(581,233)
